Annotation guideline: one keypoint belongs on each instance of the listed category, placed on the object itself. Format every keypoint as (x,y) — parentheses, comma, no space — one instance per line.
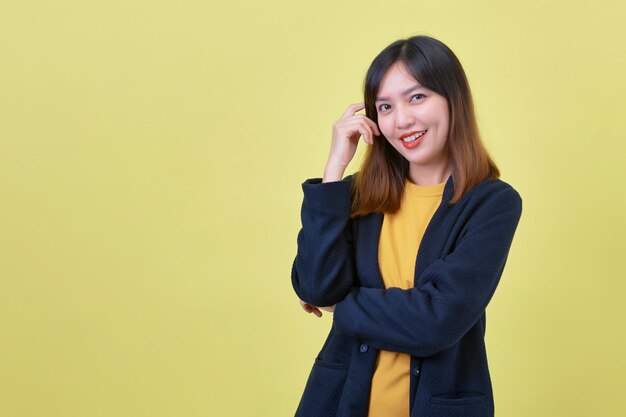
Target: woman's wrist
(333,172)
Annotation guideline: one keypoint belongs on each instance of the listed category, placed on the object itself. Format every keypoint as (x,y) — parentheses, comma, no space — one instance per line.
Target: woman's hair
(379,184)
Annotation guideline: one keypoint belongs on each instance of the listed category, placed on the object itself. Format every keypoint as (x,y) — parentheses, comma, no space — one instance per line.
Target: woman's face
(406,110)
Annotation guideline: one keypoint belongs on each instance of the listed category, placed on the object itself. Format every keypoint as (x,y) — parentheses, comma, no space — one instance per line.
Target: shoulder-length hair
(379,184)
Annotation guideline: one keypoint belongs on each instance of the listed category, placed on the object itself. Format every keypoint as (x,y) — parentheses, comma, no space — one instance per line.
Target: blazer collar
(448,189)
(369,232)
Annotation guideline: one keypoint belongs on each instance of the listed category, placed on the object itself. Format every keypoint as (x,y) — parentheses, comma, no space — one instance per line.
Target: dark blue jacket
(440,322)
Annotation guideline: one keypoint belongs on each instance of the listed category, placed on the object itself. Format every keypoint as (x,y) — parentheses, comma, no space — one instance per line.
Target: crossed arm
(452,295)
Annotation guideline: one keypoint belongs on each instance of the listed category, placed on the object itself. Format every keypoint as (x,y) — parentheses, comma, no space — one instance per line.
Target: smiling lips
(411,140)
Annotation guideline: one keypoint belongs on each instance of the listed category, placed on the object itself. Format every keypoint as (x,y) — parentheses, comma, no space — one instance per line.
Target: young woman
(408,251)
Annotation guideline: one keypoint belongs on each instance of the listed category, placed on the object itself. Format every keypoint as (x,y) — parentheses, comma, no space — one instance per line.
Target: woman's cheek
(383,128)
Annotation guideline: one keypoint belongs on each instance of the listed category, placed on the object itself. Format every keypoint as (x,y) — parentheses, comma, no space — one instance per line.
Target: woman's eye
(418,95)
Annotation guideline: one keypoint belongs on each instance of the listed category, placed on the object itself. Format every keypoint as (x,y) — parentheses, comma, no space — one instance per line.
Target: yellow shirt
(400,237)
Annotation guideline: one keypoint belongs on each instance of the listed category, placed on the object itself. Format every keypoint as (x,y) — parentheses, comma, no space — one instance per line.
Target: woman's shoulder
(492,194)
(488,190)
(491,186)
(350,177)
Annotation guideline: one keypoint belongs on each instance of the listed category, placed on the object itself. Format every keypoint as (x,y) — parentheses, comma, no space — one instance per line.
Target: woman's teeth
(415,136)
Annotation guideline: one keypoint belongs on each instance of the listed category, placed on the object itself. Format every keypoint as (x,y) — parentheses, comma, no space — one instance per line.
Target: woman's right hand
(346,133)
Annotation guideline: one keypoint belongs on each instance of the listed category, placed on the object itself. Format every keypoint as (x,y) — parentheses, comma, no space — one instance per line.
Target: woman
(407,252)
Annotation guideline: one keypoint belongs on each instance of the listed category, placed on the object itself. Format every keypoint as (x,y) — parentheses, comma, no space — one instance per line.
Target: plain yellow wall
(151,160)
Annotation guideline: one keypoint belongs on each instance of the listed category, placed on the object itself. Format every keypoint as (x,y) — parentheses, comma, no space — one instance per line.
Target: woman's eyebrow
(404,93)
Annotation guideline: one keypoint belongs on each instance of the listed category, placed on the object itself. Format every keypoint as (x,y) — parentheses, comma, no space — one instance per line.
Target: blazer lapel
(431,247)
(369,238)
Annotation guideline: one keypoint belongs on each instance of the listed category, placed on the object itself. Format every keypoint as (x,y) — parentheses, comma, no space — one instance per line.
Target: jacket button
(416,371)
(363,348)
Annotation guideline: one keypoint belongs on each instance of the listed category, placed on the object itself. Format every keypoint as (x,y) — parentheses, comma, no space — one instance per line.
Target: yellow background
(151,160)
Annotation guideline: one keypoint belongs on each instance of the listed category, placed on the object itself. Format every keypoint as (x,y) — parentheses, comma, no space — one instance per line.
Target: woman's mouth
(413,140)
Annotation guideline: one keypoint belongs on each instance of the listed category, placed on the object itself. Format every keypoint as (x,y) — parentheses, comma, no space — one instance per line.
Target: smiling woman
(405,123)
(407,252)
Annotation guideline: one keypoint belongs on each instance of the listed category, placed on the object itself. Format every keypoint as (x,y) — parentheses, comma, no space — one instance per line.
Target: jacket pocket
(323,390)
(466,404)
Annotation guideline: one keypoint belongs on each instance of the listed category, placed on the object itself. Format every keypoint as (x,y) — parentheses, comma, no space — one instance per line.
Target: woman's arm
(453,293)
(323,270)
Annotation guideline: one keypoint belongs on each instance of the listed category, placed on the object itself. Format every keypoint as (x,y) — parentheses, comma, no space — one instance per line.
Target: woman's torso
(400,238)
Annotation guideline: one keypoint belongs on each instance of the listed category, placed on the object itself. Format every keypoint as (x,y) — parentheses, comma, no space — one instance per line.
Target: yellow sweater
(400,237)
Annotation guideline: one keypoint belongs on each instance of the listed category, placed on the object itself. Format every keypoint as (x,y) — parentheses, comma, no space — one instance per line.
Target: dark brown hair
(379,184)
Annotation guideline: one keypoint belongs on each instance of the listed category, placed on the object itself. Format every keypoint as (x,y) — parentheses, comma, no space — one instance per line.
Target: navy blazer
(440,322)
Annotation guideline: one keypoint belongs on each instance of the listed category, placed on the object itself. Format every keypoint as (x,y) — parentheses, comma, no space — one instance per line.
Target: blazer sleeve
(323,270)
(453,291)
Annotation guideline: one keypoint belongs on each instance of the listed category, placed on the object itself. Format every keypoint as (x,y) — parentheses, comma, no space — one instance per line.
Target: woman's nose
(404,118)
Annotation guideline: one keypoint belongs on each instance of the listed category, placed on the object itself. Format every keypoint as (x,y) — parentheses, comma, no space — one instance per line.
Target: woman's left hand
(329,308)
(316,310)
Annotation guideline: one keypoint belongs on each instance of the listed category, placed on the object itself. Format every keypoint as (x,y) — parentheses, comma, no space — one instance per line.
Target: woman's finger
(367,136)
(372,124)
(359,125)
(314,310)
(352,108)
(310,308)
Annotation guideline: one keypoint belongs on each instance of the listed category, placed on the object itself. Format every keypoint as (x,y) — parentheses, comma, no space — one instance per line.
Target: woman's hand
(346,133)
(316,310)
(330,309)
